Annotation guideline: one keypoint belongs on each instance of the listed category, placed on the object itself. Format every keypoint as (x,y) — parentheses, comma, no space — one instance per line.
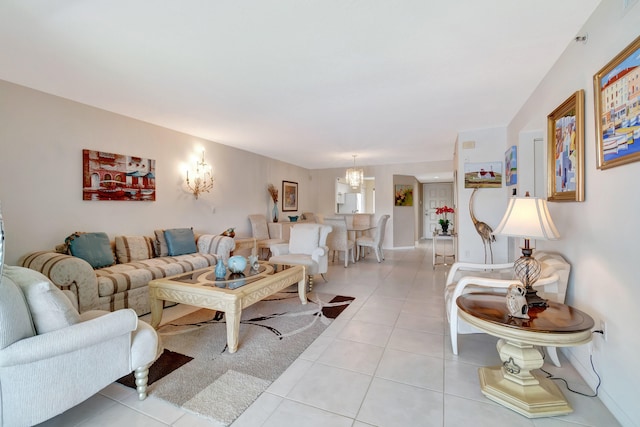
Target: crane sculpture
(483,229)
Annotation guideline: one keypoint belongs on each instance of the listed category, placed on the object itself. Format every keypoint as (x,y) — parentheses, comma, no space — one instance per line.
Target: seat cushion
(133,275)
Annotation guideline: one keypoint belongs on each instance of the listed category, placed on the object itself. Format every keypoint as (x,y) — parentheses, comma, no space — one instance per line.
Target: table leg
(232,317)
(516,387)
(302,288)
(157,306)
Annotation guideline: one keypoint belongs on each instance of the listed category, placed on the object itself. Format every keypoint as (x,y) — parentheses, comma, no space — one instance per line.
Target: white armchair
(471,277)
(307,247)
(52,358)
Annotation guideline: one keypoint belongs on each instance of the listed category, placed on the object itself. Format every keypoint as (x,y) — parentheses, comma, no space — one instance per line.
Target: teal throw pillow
(94,248)
(180,241)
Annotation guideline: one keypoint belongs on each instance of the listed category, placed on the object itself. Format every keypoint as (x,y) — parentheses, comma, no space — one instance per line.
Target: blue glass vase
(221,270)
(275,212)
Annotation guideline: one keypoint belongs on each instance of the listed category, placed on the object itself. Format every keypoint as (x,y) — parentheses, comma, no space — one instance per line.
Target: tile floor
(386,361)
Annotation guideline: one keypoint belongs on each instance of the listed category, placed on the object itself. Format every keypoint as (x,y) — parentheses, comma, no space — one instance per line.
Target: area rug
(197,373)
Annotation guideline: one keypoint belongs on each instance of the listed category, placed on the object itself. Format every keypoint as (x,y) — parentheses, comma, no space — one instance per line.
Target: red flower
(444,210)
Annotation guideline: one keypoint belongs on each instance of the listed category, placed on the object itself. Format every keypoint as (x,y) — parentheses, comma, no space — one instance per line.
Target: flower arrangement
(444,221)
(273,191)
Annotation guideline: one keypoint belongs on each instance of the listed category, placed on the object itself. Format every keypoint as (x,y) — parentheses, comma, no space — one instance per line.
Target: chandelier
(203,181)
(355,177)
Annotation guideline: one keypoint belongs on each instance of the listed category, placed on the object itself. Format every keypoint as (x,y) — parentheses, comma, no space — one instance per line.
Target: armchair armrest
(319,252)
(220,246)
(474,267)
(70,339)
(280,249)
(68,273)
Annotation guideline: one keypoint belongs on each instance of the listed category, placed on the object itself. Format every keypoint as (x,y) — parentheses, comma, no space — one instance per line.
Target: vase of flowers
(444,221)
(273,191)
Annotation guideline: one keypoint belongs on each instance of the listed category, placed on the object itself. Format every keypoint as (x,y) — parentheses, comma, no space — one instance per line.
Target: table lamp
(528,217)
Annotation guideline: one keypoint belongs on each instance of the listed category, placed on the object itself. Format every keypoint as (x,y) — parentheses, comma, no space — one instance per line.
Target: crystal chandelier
(203,181)
(355,177)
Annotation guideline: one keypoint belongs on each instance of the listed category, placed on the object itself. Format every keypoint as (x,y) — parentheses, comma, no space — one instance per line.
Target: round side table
(513,384)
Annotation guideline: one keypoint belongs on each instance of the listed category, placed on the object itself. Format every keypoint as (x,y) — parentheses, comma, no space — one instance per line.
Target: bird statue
(483,229)
(516,301)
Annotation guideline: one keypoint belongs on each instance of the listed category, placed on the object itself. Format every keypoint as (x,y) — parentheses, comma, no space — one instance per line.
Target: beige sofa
(124,284)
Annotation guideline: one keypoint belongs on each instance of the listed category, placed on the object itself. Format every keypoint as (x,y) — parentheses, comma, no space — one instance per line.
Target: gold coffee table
(200,288)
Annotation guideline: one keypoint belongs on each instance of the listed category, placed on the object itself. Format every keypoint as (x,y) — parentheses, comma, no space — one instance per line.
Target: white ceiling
(309,82)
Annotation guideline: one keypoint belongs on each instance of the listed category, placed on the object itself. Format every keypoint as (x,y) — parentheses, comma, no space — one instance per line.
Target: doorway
(435,195)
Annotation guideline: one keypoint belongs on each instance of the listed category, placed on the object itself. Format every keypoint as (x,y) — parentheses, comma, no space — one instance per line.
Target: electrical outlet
(603,328)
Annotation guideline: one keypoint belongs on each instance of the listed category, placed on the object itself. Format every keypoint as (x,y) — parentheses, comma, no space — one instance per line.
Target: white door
(436,196)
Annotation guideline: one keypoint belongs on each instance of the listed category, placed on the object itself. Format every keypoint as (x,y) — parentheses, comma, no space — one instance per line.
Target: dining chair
(375,241)
(260,231)
(338,240)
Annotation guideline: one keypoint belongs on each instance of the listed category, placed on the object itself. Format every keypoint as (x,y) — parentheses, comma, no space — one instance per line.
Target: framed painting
(109,176)
(511,166)
(403,195)
(565,150)
(617,109)
(289,196)
(483,175)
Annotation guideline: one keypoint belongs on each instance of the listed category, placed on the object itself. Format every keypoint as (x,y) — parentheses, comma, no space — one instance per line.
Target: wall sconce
(203,180)
(354,176)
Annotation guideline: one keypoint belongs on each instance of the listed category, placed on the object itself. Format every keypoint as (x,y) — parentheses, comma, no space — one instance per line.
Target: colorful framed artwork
(109,176)
(289,196)
(617,109)
(565,150)
(511,166)
(403,195)
(483,175)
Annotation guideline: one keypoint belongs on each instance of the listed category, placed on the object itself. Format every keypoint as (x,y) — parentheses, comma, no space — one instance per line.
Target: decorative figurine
(516,301)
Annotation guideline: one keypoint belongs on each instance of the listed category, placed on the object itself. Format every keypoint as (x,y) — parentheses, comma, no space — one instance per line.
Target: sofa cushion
(304,240)
(94,248)
(15,320)
(161,243)
(134,248)
(49,306)
(180,241)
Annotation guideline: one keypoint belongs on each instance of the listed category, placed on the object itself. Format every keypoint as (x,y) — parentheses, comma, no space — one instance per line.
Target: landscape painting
(108,176)
(483,175)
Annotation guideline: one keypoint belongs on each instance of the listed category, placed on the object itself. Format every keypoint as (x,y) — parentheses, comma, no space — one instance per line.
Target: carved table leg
(157,306)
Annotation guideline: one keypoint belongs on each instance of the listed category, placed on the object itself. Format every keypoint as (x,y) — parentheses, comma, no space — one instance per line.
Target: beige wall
(41,142)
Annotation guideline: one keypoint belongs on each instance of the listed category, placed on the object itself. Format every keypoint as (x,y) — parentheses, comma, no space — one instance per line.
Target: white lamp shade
(527,217)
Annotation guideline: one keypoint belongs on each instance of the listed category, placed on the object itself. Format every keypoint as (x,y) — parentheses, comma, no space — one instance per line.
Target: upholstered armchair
(260,231)
(307,247)
(374,242)
(338,239)
(470,277)
(52,358)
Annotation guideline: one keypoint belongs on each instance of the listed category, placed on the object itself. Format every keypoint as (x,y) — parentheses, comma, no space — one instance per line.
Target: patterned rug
(197,373)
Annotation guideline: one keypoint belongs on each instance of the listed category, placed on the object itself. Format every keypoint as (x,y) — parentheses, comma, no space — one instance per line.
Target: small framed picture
(565,150)
(511,166)
(289,196)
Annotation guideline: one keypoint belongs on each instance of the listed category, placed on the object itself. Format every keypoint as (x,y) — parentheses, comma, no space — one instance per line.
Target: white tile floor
(386,361)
